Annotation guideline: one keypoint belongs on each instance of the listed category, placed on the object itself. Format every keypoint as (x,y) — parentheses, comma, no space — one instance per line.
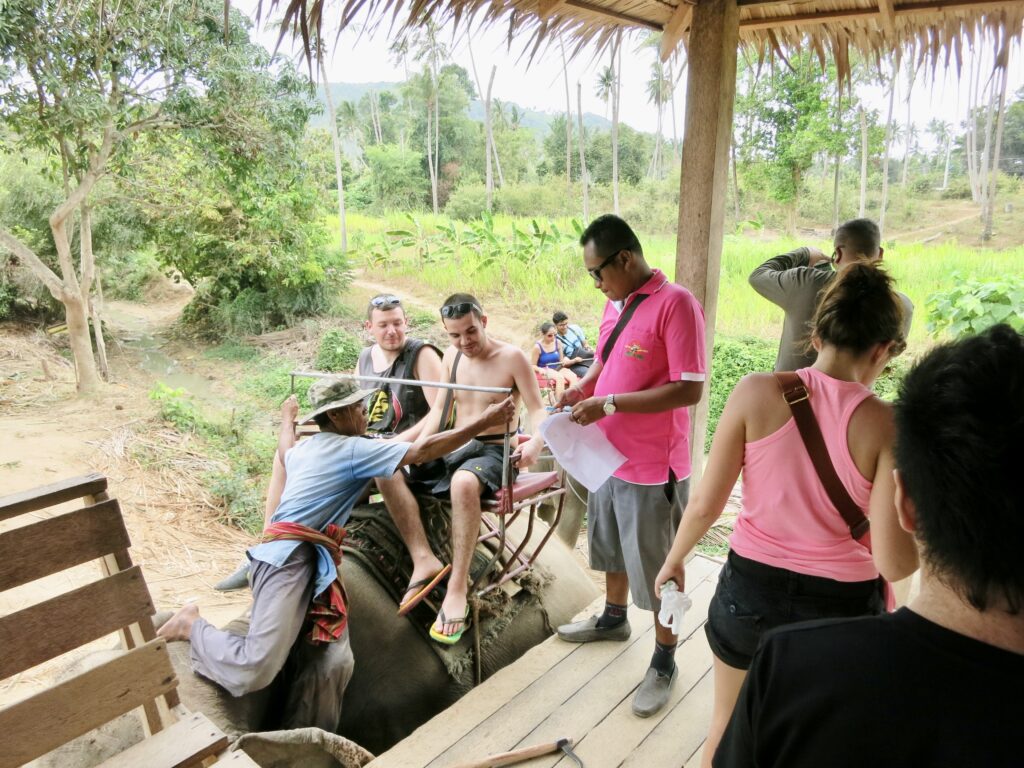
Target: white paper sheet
(584,452)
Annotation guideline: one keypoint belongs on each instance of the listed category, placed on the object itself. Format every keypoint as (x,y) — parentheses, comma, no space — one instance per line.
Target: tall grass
(558,281)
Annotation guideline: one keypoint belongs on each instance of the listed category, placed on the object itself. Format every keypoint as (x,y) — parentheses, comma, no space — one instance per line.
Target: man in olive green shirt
(796,280)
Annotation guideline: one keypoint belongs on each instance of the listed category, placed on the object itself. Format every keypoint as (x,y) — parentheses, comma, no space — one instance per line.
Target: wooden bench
(141,677)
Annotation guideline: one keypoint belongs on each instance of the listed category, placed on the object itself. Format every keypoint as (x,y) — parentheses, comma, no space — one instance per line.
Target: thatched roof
(937,30)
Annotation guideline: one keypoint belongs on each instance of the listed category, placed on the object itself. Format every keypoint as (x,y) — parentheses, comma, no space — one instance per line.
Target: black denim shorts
(752,598)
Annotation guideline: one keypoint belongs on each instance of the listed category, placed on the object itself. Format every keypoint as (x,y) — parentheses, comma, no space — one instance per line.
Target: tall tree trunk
(910,126)
(986,233)
(336,140)
(838,160)
(973,88)
(735,179)
(431,168)
(568,124)
(945,172)
(67,289)
(584,180)
(87,261)
(985,168)
(861,210)
(672,106)
(616,92)
(888,148)
(488,129)
(654,171)
(436,77)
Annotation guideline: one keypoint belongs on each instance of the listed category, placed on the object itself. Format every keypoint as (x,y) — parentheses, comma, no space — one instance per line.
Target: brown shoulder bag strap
(798,398)
(449,395)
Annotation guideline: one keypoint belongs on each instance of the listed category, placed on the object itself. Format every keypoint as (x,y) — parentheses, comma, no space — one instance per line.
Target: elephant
(401,677)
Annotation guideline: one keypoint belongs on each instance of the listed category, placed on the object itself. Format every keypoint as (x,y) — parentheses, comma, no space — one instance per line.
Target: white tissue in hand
(674,605)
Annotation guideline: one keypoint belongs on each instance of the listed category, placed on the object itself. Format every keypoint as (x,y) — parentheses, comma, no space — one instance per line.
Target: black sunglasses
(453,311)
(385,300)
(596,271)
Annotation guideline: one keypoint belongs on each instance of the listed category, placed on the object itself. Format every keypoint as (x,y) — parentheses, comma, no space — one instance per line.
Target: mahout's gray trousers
(241,664)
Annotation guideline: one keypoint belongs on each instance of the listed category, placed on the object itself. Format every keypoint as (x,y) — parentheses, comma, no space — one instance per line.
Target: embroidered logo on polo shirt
(634,350)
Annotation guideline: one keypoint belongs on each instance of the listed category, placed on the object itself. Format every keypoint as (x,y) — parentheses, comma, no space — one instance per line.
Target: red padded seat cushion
(528,484)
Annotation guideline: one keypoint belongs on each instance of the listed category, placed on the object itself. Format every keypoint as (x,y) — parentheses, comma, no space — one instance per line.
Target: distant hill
(531,118)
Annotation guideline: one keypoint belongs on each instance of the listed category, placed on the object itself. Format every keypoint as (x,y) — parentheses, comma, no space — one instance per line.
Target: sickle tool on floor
(525,753)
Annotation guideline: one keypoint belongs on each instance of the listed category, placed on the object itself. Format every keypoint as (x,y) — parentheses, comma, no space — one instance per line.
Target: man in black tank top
(393,410)
(396,409)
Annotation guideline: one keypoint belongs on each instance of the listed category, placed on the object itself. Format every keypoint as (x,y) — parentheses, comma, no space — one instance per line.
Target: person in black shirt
(938,683)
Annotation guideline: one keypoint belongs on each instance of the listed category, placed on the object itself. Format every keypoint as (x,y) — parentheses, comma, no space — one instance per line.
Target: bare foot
(455,609)
(179,626)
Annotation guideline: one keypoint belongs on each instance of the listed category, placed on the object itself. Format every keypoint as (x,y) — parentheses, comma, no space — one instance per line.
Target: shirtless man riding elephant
(475,469)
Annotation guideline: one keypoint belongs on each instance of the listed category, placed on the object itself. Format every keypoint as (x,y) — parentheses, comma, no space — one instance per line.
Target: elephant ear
(303,747)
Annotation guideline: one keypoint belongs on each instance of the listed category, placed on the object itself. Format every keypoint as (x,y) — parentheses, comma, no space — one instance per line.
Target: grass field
(555,278)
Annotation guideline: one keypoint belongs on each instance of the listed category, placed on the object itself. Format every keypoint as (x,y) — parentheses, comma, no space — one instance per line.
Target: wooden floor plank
(600,717)
(582,691)
(434,736)
(186,743)
(522,713)
(678,737)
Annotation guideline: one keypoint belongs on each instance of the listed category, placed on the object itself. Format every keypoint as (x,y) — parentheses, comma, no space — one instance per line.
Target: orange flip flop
(425,587)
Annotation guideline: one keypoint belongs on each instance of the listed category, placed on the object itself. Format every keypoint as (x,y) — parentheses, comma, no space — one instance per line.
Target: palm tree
(942,131)
(659,92)
(429,49)
(336,142)
(910,131)
(608,90)
(605,86)
(890,130)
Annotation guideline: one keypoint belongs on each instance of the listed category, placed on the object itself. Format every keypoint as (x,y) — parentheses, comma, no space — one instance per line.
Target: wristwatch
(609,405)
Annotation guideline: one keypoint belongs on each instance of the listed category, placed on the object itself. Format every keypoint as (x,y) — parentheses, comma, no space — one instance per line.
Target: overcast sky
(358,58)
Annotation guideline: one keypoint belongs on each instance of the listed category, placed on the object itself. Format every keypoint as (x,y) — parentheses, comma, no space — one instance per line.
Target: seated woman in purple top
(548,358)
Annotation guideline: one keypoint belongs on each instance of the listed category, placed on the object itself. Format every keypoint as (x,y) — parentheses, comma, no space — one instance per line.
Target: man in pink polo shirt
(649,367)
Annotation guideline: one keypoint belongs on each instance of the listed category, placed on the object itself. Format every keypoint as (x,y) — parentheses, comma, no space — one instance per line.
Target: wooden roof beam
(906,9)
(675,27)
(624,18)
(887,12)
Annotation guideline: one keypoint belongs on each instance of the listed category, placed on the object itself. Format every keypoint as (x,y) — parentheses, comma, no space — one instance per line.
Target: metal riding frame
(508,502)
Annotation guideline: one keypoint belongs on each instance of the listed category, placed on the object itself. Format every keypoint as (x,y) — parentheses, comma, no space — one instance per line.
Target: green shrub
(888,384)
(467,202)
(959,189)
(971,305)
(177,407)
(339,351)
(241,498)
(734,358)
(126,275)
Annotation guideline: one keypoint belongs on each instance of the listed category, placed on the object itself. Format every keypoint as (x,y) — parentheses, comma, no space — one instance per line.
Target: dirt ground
(50,435)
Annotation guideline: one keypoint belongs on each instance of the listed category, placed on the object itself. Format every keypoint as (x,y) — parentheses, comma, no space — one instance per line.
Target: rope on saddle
(373,540)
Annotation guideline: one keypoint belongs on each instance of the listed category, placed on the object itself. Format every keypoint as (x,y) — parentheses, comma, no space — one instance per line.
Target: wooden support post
(710,92)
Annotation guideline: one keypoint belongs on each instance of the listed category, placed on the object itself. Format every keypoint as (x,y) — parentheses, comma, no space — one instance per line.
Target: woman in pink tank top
(792,557)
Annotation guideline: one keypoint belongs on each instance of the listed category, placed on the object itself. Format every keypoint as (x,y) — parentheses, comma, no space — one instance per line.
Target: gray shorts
(630,529)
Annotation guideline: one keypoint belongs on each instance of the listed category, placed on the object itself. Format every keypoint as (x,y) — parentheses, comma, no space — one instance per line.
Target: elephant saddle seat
(527,484)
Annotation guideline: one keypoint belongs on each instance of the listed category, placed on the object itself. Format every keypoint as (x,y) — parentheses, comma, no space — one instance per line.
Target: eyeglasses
(385,301)
(596,271)
(453,311)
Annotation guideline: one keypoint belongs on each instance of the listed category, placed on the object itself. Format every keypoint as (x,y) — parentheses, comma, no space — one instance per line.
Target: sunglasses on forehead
(452,311)
(385,300)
